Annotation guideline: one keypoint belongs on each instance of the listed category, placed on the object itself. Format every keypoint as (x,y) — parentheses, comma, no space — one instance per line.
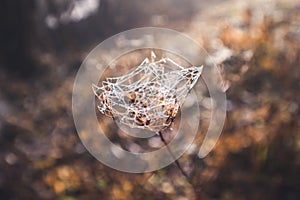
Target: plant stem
(173,157)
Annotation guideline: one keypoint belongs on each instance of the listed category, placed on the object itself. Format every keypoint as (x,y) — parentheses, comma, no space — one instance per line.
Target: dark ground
(256,46)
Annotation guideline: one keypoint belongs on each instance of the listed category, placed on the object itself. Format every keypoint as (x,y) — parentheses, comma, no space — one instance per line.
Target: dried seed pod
(153,101)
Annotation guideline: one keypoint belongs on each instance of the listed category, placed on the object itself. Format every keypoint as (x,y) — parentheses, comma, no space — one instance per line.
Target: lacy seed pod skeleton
(149,97)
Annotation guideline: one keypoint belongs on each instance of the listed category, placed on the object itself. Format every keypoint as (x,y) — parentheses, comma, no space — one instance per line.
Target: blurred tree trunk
(16,36)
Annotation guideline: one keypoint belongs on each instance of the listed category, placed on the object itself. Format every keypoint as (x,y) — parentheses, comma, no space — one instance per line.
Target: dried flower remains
(150,96)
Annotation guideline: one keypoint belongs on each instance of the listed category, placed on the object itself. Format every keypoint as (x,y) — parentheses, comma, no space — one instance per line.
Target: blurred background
(256,46)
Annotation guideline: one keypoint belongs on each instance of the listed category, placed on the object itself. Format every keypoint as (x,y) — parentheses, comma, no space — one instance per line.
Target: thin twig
(173,157)
(175,160)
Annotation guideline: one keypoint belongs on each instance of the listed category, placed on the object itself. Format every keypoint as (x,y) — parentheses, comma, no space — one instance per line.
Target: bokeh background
(256,45)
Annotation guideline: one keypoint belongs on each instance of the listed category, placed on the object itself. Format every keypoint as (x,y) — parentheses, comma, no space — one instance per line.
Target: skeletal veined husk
(149,97)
